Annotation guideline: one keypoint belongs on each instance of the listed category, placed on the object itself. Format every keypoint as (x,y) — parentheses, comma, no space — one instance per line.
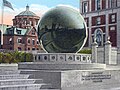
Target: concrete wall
(100,55)
(106,54)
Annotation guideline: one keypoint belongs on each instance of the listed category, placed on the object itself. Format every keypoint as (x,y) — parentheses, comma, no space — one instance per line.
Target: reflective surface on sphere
(62,30)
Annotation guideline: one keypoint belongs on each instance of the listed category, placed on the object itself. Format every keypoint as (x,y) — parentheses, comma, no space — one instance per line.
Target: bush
(86,51)
(15,57)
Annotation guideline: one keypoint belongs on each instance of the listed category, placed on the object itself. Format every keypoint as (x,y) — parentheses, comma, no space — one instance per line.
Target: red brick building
(102,19)
(26,19)
(22,35)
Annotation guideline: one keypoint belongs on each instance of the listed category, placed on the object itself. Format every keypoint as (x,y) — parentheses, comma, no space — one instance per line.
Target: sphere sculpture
(62,30)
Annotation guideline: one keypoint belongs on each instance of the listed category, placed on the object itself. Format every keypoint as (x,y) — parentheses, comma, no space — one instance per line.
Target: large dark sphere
(62,30)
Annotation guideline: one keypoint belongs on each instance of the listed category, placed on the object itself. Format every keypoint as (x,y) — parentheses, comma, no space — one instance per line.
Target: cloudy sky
(37,6)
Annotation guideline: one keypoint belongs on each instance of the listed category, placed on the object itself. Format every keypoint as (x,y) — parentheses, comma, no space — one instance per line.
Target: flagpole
(2,18)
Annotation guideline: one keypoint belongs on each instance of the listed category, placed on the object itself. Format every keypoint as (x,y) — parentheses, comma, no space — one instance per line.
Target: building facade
(20,39)
(102,19)
(22,35)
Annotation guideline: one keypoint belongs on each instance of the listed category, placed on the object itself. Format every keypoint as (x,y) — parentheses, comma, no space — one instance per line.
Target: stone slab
(76,79)
(8,66)
(60,66)
(14,76)
(21,87)
(19,81)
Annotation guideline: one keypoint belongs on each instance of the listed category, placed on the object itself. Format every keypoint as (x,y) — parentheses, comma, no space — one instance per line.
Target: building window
(33,42)
(85,7)
(37,42)
(93,38)
(33,48)
(18,31)
(28,49)
(98,4)
(28,41)
(33,32)
(98,20)
(19,40)
(112,28)
(10,41)
(30,22)
(10,48)
(10,31)
(112,3)
(19,49)
(36,22)
(25,22)
(113,18)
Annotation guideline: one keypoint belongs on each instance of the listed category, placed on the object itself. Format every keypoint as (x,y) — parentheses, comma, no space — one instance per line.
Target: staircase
(11,79)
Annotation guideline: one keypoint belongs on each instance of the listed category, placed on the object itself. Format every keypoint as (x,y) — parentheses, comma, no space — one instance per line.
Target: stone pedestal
(75,76)
(94,52)
(108,53)
(58,74)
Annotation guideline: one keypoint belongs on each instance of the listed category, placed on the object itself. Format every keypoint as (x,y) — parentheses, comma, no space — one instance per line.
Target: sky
(39,7)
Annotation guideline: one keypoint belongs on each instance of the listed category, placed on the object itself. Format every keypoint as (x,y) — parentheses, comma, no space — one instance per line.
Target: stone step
(2,72)
(46,86)
(19,81)
(50,89)
(14,76)
(21,87)
(9,66)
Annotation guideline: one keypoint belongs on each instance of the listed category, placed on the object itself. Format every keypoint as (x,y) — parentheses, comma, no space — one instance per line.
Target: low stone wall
(61,57)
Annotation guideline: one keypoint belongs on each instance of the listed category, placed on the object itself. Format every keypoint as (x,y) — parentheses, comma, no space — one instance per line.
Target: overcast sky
(37,6)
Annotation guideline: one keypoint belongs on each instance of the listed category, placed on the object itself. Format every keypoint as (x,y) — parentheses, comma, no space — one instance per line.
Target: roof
(27,12)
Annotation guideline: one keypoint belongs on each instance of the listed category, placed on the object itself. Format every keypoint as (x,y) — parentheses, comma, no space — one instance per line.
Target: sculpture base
(74,76)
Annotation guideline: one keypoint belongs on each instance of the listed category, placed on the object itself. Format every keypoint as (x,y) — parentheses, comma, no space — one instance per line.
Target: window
(104,37)
(10,31)
(85,7)
(33,42)
(18,31)
(10,48)
(33,32)
(112,28)
(98,20)
(10,41)
(92,38)
(33,48)
(36,22)
(28,41)
(113,18)
(112,3)
(30,22)
(19,49)
(37,42)
(25,22)
(28,49)
(19,40)
(98,4)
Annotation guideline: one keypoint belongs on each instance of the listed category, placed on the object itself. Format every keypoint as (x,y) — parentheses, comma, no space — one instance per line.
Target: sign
(96,77)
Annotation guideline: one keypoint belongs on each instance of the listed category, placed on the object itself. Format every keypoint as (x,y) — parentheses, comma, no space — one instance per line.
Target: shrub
(15,57)
(86,51)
